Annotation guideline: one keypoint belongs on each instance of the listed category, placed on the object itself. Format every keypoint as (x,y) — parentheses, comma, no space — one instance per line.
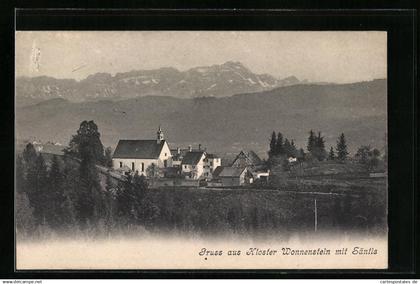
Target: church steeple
(160,136)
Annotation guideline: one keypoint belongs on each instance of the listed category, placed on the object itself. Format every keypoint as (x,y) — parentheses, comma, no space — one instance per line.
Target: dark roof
(217,171)
(231,172)
(250,156)
(211,156)
(176,156)
(192,158)
(254,157)
(138,149)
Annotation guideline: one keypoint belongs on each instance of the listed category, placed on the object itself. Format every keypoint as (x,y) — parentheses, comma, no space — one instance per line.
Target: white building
(211,162)
(138,155)
(192,165)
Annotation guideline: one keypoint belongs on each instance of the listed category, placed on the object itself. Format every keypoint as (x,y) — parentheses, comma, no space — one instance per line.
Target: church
(136,156)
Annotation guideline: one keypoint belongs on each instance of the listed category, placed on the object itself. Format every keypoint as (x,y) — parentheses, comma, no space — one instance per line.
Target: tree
(87,143)
(331,154)
(23,214)
(130,194)
(29,154)
(311,141)
(318,147)
(374,159)
(368,157)
(56,196)
(363,154)
(20,175)
(89,203)
(37,189)
(108,157)
(342,148)
(289,148)
(273,142)
(153,171)
(280,144)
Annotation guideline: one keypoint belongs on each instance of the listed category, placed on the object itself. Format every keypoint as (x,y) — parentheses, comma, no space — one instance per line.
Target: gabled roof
(250,156)
(138,149)
(192,158)
(231,172)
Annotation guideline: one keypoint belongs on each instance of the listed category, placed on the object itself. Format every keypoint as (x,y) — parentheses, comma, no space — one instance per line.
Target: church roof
(138,149)
(192,158)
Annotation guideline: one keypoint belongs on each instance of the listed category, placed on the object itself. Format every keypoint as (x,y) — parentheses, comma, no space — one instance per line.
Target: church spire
(159,135)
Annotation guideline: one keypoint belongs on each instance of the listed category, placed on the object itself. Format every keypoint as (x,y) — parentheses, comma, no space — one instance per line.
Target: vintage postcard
(201,150)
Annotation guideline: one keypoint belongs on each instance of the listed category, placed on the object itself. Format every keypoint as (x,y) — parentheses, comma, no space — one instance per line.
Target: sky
(338,57)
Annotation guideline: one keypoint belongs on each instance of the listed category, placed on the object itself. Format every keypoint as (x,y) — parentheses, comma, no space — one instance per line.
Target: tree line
(281,147)
(65,192)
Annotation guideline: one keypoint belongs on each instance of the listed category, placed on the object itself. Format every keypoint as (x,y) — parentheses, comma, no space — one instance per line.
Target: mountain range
(222,124)
(217,80)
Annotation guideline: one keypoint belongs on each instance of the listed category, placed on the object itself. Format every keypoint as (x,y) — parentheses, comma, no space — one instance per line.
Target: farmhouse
(253,163)
(192,165)
(138,155)
(234,176)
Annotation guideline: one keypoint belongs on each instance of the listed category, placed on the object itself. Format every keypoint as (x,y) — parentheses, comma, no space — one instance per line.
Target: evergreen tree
(56,196)
(293,149)
(318,149)
(301,154)
(287,148)
(342,148)
(280,144)
(37,189)
(20,175)
(273,142)
(29,154)
(311,141)
(331,155)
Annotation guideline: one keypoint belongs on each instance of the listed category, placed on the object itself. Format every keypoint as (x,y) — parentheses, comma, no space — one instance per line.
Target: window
(142,167)
(165,163)
(132,166)
(165,154)
(120,164)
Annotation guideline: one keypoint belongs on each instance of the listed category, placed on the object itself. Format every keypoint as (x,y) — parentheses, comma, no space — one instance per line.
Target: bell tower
(160,136)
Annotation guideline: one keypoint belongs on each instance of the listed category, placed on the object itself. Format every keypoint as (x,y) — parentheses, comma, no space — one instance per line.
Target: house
(253,163)
(192,165)
(138,155)
(177,156)
(234,176)
(211,162)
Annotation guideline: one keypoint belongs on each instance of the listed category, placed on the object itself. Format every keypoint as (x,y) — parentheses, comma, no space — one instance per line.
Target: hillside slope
(223,124)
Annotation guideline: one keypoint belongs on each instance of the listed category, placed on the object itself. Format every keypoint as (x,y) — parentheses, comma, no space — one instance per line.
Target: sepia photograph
(201,150)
